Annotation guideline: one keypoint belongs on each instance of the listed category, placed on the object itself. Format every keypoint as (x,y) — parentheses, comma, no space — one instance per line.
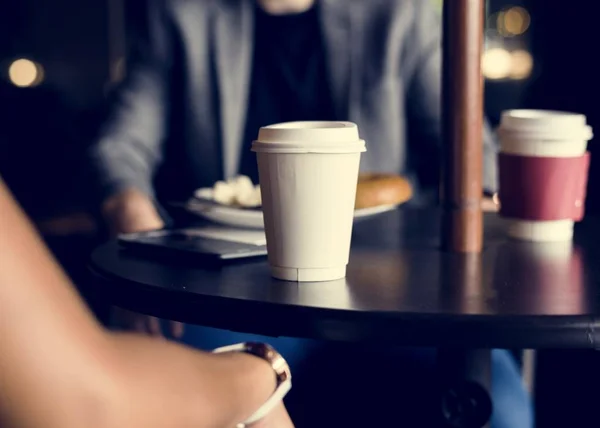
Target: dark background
(82,48)
(44,130)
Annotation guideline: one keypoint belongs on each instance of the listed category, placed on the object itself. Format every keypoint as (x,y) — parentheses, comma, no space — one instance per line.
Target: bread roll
(375,190)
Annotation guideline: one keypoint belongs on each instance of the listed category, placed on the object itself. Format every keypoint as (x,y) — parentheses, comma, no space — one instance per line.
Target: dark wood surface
(400,289)
(463,125)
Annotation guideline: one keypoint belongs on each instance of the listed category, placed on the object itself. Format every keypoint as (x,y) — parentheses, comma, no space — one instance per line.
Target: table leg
(465,385)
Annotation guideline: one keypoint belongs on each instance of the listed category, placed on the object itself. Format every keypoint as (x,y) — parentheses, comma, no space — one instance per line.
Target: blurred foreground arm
(60,369)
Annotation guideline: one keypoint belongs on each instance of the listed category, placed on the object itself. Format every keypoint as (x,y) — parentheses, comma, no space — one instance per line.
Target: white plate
(250,218)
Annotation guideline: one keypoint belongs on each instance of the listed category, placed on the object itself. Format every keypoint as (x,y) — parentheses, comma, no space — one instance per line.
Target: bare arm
(59,368)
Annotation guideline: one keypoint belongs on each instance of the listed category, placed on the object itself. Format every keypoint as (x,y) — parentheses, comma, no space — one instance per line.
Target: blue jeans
(339,384)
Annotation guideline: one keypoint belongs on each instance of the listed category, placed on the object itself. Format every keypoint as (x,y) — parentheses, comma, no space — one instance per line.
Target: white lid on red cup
(544,133)
(547,124)
(309,137)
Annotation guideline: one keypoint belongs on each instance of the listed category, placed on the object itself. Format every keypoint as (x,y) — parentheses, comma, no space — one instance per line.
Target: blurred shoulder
(394,13)
(190,10)
(200,5)
(207,8)
(379,8)
(387,10)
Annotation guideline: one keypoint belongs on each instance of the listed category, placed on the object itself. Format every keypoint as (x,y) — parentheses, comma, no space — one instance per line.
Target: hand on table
(133,211)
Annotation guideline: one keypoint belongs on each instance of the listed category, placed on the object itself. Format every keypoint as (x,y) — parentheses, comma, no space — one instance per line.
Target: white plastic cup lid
(309,137)
(546,124)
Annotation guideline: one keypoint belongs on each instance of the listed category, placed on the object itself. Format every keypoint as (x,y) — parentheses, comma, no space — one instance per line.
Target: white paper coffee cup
(308,172)
(542,133)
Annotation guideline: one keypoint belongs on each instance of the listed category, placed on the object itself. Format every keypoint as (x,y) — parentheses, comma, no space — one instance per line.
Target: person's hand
(133,211)
(490,204)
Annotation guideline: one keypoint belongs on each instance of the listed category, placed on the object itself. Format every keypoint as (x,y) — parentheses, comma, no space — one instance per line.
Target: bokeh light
(522,64)
(513,21)
(25,73)
(496,64)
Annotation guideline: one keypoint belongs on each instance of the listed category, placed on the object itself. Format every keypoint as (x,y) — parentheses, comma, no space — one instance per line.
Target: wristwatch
(283,375)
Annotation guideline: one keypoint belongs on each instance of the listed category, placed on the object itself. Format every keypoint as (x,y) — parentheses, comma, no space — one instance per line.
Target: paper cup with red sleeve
(543,166)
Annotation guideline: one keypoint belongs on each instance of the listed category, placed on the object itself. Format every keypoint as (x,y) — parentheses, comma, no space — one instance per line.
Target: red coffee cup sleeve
(543,188)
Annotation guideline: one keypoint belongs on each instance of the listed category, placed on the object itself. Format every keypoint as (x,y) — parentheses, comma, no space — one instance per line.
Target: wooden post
(462,107)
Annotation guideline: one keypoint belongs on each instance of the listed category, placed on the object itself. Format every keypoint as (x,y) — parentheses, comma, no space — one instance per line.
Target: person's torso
(289,80)
(356,61)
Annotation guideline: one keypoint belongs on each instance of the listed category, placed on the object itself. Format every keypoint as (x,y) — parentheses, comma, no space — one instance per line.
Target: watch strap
(268,406)
(282,371)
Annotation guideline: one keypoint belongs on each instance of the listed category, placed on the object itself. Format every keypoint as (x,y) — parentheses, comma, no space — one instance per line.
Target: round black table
(400,289)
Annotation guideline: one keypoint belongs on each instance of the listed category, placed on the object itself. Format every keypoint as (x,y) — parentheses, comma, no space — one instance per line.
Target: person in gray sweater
(208,73)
